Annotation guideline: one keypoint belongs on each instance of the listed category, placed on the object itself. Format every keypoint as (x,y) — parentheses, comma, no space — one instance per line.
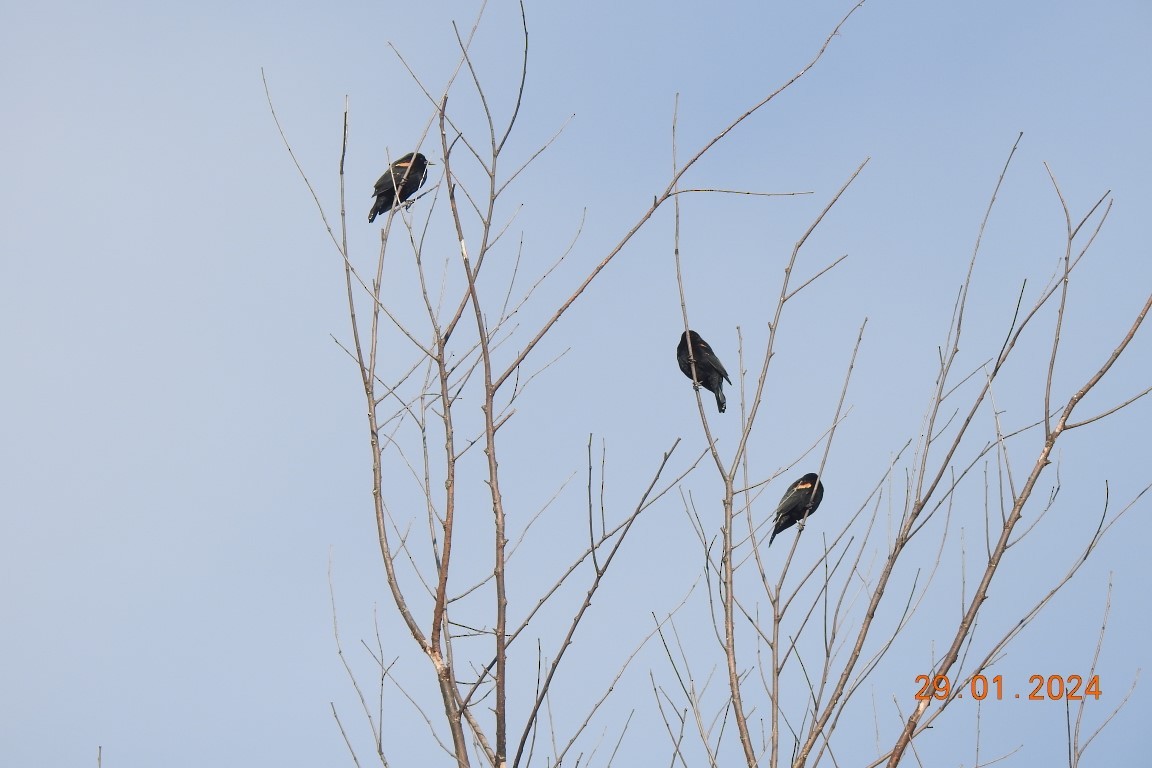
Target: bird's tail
(721,401)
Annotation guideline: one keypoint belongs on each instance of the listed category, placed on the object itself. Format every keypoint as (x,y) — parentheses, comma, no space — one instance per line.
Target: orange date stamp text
(980,687)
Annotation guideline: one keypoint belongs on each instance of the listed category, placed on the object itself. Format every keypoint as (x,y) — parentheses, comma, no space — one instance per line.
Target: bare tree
(837,599)
(441,382)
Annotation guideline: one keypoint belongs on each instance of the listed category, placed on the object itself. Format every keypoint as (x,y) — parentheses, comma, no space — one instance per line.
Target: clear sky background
(182,450)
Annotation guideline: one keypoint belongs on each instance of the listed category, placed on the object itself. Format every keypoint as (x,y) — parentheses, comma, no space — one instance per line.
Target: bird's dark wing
(708,358)
(385,184)
(800,495)
(412,182)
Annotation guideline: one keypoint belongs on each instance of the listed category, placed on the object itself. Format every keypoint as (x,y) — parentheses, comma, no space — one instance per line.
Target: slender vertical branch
(489,410)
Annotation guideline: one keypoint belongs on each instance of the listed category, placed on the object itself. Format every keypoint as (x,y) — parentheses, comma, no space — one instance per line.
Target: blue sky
(183,445)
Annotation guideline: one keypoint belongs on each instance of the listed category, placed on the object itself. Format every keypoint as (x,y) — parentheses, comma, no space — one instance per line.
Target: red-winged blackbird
(710,371)
(399,183)
(798,503)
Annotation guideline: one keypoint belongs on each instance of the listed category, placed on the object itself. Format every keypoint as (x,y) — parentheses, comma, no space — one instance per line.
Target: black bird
(800,502)
(710,371)
(399,183)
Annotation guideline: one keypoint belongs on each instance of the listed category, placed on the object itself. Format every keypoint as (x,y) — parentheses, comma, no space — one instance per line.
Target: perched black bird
(710,371)
(399,183)
(800,501)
